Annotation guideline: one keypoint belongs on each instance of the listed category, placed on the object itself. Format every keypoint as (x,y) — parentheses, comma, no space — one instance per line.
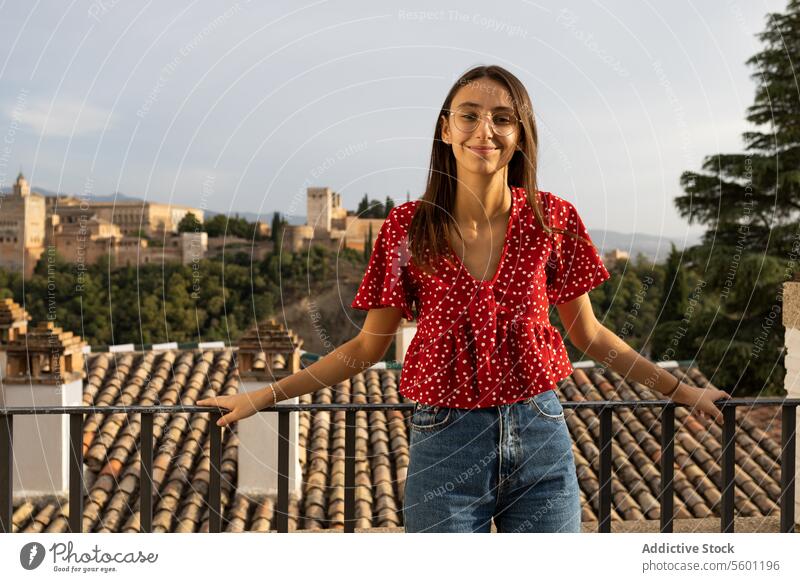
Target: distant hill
(653,247)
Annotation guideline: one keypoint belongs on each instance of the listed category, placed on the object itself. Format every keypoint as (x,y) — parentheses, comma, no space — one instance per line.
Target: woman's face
(480,97)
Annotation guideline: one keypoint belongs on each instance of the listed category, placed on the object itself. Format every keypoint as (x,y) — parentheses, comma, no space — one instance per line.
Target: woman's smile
(482,149)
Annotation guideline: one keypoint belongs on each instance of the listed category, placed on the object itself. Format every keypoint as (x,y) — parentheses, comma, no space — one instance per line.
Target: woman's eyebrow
(471,104)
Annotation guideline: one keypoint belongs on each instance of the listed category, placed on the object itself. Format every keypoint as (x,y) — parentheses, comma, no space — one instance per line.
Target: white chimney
(258,434)
(791,321)
(13,322)
(402,339)
(44,367)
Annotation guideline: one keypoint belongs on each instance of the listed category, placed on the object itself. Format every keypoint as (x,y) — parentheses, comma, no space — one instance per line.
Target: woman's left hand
(700,400)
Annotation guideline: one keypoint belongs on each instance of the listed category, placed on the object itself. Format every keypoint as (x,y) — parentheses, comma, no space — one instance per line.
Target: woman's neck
(482,198)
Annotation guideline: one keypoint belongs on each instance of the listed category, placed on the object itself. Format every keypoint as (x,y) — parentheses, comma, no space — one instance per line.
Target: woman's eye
(502,119)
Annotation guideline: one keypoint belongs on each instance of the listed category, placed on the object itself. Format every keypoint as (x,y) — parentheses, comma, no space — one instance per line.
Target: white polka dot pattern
(574,266)
(483,343)
(385,282)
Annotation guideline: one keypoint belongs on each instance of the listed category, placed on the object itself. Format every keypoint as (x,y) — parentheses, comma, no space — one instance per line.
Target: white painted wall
(403,336)
(41,442)
(258,449)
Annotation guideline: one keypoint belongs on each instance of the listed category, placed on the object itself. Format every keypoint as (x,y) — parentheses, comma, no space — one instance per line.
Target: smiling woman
(482,255)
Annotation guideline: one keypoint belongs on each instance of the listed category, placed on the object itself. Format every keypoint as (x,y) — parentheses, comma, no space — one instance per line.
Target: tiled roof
(181,461)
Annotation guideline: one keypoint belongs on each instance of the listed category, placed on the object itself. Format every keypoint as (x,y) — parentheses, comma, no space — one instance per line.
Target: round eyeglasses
(467,119)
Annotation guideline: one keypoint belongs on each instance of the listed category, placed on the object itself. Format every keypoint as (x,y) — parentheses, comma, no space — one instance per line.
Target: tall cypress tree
(278,224)
(368,244)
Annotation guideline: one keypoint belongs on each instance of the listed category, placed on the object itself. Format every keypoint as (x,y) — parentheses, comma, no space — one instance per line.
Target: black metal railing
(281,521)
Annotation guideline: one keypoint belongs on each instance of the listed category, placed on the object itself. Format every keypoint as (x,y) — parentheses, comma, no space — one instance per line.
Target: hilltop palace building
(82,230)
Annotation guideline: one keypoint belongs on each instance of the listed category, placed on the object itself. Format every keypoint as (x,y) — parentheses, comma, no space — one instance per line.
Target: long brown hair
(430,227)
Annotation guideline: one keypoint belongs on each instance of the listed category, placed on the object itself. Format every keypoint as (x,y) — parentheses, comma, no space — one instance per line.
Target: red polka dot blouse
(482,343)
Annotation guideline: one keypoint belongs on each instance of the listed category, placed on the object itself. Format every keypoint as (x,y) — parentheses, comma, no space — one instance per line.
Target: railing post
(350,471)
(146,474)
(6,472)
(728,461)
(214,477)
(282,509)
(75,472)
(605,470)
(788,440)
(666,492)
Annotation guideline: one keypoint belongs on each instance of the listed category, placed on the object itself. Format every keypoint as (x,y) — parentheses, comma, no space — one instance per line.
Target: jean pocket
(427,418)
(547,406)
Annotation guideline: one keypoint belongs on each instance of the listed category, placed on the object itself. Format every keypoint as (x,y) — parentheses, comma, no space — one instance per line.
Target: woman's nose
(485,126)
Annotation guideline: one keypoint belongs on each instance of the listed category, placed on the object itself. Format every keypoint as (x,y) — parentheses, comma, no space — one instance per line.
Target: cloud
(63,118)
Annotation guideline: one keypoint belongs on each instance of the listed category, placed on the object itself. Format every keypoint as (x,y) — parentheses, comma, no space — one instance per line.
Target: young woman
(482,255)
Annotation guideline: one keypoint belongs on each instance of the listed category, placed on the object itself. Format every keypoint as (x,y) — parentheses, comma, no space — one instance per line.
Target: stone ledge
(703,525)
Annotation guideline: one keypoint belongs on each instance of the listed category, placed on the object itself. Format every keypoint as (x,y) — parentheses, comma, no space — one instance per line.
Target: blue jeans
(512,463)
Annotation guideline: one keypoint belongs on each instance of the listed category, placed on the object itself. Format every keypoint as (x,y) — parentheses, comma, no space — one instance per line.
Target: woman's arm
(352,357)
(603,345)
(345,361)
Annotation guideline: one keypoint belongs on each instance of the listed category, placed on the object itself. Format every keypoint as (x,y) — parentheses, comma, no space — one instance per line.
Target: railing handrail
(150,409)
(605,408)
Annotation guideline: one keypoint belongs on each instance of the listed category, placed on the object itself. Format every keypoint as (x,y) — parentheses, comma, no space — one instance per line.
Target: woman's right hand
(240,405)
(701,400)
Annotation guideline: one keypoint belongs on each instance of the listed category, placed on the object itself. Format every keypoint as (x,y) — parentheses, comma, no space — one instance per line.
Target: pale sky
(242,108)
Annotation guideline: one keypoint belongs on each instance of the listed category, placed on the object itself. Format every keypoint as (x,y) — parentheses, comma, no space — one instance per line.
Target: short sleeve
(574,267)
(386,280)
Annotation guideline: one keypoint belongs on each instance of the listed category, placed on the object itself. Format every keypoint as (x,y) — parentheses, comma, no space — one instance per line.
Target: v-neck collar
(511,218)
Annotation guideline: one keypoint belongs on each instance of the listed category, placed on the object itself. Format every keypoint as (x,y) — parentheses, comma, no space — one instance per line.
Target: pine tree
(750,204)
(753,198)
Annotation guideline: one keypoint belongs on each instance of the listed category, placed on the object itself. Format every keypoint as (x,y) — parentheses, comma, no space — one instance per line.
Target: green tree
(752,199)
(190,223)
(220,225)
(673,297)
(373,208)
(217,225)
(750,204)
(670,340)
(368,244)
(278,224)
